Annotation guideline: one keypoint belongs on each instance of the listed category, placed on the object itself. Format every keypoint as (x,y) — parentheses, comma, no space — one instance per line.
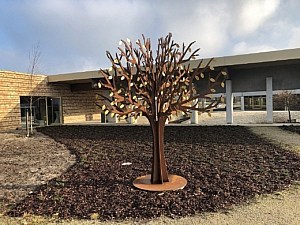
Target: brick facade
(77,106)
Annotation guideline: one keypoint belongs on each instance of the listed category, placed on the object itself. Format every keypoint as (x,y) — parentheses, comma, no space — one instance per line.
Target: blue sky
(74,34)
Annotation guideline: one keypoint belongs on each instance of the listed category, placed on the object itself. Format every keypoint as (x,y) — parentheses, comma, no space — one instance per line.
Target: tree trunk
(159,172)
(31,120)
(27,123)
(289,111)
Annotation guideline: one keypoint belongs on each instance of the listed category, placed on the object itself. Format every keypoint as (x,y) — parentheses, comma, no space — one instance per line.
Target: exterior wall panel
(77,106)
(285,77)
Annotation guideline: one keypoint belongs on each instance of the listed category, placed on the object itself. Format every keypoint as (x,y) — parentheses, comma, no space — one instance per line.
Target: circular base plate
(175,183)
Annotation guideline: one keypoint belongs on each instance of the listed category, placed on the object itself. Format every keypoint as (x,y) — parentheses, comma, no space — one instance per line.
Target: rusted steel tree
(155,85)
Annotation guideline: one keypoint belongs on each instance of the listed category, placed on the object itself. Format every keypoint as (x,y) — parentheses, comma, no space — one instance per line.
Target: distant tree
(288,101)
(156,85)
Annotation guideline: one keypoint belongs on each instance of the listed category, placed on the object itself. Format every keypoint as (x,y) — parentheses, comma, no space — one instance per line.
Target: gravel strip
(286,139)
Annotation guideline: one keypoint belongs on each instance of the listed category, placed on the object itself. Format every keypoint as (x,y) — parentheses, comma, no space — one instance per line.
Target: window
(45,110)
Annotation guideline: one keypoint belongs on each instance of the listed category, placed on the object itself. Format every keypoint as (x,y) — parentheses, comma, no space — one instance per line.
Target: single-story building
(253,79)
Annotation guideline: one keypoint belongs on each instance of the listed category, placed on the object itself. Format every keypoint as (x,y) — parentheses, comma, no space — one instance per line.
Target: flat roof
(252,58)
(77,76)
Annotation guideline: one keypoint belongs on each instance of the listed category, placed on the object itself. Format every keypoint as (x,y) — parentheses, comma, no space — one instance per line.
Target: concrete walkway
(243,118)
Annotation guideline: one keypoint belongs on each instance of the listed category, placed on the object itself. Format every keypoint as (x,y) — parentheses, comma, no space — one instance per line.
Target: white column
(112,119)
(131,120)
(269,99)
(242,103)
(203,101)
(229,102)
(194,118)
(167,121)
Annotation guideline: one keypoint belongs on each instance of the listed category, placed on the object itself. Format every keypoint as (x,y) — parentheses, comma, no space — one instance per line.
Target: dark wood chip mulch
(291,128)
(224,165)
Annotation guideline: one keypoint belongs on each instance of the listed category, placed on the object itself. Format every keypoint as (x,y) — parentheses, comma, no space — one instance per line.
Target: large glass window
(255,102)
(45,110)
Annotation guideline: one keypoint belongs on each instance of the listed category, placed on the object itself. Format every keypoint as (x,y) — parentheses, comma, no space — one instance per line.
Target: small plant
(34,58)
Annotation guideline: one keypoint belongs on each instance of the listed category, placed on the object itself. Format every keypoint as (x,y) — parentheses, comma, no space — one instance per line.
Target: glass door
(41,112)
(53,111)
(256,103)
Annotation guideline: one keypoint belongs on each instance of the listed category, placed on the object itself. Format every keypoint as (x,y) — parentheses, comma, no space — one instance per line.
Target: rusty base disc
(175,183)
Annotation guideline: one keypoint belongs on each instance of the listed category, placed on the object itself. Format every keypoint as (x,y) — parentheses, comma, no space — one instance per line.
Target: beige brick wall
(76,106)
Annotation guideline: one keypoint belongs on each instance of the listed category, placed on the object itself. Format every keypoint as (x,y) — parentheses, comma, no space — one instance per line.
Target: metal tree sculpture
(155,87)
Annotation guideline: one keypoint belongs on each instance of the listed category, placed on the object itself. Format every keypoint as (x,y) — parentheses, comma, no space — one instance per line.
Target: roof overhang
(253,58)
(274,57)
(74,78)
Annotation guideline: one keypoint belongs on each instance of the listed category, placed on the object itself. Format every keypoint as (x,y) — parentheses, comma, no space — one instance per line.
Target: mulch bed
(224,165)
(295,129)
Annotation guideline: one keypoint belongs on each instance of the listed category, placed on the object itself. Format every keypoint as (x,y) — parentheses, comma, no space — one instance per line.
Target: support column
(112,119)
(203,101)
(242,103)
(131,120)
(229,102)
(167,121)
(269,99)
(194,118)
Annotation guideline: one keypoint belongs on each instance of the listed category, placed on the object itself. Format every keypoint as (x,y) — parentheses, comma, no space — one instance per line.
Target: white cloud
(250,15)
(294,40)
(205,22)
(243,47)
(74,35)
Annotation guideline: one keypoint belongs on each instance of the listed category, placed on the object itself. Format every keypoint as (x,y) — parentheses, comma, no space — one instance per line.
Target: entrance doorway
(45,110)
(53,110)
